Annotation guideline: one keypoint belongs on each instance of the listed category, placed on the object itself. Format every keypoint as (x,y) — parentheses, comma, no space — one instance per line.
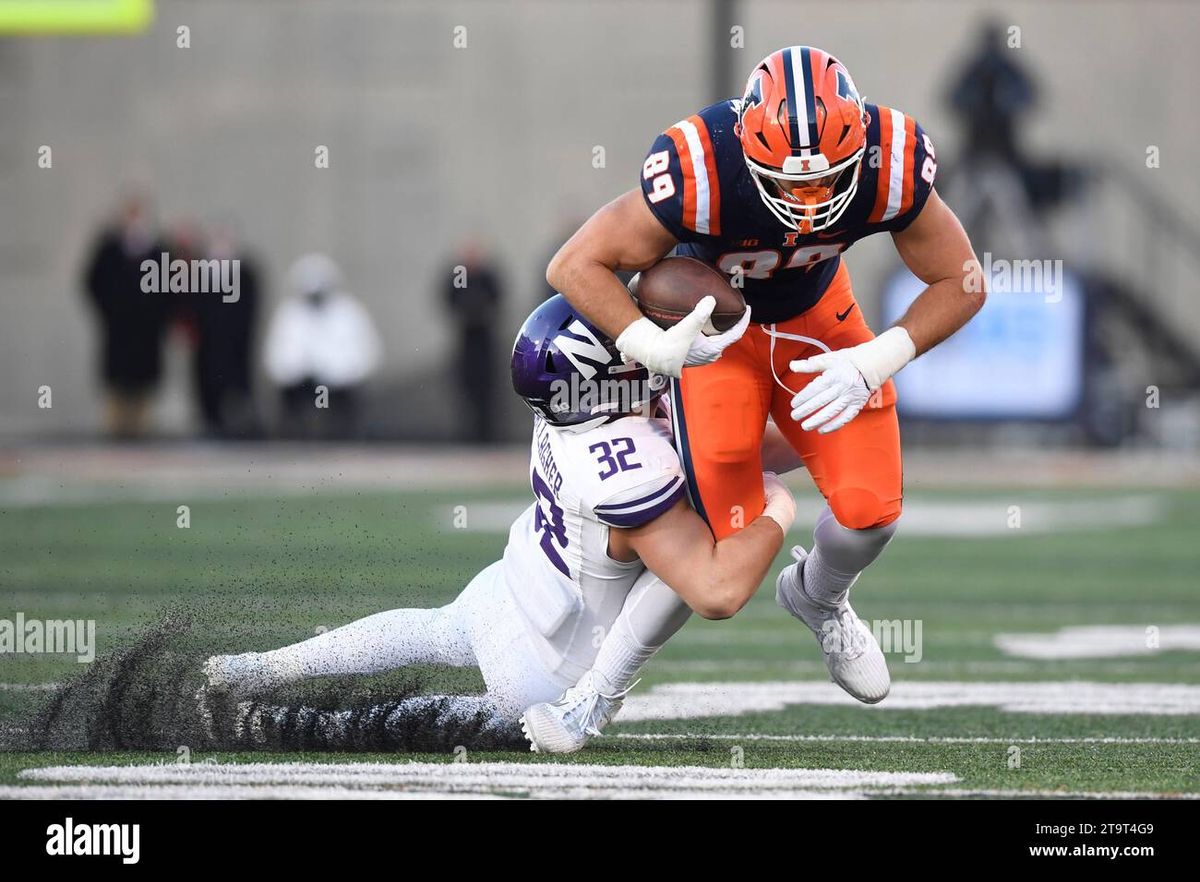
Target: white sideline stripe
(921,517)
(28,687)
(40,492)
(953,793)
(685,701)
(539,780)
(817,668)
(892,739)
(988,518)
(159,791)
(1099,641)
(250,791)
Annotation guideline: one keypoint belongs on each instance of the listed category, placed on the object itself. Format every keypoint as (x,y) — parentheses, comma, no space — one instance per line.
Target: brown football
(671,288)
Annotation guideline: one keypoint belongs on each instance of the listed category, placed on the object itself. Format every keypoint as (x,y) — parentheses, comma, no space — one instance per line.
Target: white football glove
(683,345)
(781,505)
(847,379)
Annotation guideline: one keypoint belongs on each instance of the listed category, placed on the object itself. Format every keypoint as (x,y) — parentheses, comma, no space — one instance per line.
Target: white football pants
(482,627)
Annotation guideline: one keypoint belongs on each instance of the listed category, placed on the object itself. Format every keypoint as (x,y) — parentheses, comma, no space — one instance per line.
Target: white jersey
(622,474)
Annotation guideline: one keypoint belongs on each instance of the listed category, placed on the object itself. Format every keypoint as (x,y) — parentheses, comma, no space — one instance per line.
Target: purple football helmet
(572,375)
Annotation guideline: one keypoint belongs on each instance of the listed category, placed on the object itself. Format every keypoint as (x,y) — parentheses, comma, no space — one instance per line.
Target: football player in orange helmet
(809,186)
(770,188)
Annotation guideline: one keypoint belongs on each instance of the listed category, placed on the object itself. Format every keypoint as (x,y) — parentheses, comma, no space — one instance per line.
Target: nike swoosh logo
(841,316)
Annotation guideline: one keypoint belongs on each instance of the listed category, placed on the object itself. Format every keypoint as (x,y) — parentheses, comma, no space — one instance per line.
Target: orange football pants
(720,412)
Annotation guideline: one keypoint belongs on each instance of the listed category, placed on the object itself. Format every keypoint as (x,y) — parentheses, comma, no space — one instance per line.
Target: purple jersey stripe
(632,519)
(648,499)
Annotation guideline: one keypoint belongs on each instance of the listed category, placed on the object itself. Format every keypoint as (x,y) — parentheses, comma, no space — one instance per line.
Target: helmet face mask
(802,126)
(808,203)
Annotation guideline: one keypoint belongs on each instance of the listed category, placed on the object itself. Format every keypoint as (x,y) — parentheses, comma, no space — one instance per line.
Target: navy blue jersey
(696,182)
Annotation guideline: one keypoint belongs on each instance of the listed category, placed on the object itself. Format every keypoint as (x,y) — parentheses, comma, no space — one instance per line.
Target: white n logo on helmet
(575,349)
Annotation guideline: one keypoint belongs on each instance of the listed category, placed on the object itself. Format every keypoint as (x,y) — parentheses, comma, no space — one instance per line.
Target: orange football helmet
(803,130)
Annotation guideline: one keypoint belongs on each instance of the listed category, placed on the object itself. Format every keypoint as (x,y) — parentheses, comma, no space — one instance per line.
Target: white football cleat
(564,726)
(240,674)
(852,655)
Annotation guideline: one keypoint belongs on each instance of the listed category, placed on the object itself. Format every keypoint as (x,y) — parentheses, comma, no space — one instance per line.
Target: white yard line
(683,701)
(28,687)
(556,780)
(458,780)
(1100,641)
(922,516)
(161,791)
(953,793)
(889,739)
(177,792)
(1107,666)
(1020,470)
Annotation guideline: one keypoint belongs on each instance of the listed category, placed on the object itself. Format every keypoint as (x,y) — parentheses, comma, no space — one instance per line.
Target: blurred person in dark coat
(991,95)
(1000,191)
(473,294)
(222,369)
(132,323)
(321,346)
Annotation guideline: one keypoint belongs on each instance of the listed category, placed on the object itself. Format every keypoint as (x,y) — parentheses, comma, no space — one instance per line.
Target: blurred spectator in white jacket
(321,346)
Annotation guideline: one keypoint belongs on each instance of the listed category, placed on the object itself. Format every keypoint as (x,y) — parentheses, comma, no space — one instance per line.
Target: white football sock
(380,642)
(839,556)
(650,617)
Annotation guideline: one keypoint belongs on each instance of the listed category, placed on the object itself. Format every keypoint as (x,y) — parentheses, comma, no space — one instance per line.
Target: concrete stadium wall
(429,143)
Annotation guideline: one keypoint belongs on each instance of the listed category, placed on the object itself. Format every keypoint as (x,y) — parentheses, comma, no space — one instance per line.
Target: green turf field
(966,717)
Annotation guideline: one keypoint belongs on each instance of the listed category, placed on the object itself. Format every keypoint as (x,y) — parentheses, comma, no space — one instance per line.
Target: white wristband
(639,340)
(879,359)
(780,504)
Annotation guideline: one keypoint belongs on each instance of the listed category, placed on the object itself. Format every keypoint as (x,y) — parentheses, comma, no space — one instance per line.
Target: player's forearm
(593,289)
(936,249)
(737,566)
(940,311)
(622,235)
(714,578)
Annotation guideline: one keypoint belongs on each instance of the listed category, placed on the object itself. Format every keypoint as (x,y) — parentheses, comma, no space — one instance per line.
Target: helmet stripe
(810,96)
(797,76)
(790,77)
